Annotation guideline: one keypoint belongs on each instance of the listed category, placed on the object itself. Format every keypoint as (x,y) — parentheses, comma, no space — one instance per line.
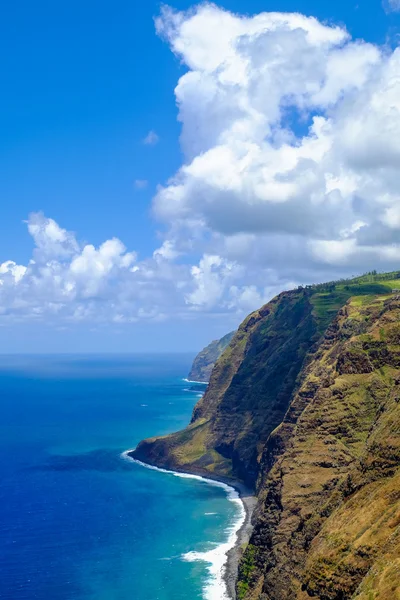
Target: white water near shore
(216,558)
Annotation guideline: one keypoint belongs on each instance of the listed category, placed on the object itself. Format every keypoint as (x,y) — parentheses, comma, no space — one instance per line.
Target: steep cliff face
(328,517)
(303,406)
(248,395)
(204,362)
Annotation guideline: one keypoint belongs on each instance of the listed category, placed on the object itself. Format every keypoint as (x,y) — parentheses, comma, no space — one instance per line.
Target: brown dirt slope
(327,524)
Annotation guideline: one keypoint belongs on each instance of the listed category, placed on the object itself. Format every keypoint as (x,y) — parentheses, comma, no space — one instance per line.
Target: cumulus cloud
(166,252)
(14,271)
(245,298)
(291,133)
(70,281)
(291,145)
(79,281)
(210,276)
(50,239)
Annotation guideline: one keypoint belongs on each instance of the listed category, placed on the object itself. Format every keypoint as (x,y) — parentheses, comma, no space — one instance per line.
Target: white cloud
(50,239)
(92,268)
(291,142)
(167,251)
(247,298)
(16,272)
(291,137)
(151,139)
(210,278)
(67,280)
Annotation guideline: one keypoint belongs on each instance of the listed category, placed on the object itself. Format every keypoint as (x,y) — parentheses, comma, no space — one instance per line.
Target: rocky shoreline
(242,539)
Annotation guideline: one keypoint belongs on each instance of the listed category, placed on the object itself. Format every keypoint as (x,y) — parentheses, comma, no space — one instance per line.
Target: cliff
(247,397)
(204,362)
(328,515)
(304,406)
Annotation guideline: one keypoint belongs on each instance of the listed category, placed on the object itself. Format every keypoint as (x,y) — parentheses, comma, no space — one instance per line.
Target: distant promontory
(204,362)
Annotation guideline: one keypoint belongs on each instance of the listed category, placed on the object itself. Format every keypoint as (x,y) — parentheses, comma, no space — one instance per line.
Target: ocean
(78,520)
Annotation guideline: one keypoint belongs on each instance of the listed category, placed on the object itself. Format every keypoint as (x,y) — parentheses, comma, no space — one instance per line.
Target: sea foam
(216,559)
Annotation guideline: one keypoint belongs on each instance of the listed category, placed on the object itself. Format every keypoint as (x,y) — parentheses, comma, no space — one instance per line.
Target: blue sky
(83,85)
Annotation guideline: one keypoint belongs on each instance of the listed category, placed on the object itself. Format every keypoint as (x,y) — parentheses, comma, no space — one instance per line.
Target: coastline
(239,535)
(243,535)
(193,381)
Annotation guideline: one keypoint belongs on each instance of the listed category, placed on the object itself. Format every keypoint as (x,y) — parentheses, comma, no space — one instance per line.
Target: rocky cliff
(248,395)
(204,362)
(328,516)
(304,406)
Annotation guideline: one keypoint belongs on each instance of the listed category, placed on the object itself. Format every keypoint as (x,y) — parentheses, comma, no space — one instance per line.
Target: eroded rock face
(328,516)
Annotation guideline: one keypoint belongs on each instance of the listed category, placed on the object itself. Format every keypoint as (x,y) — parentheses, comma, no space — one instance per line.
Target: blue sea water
(77,521)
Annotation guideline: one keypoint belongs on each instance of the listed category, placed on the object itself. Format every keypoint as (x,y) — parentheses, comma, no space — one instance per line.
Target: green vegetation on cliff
(204,362)
(304,406)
